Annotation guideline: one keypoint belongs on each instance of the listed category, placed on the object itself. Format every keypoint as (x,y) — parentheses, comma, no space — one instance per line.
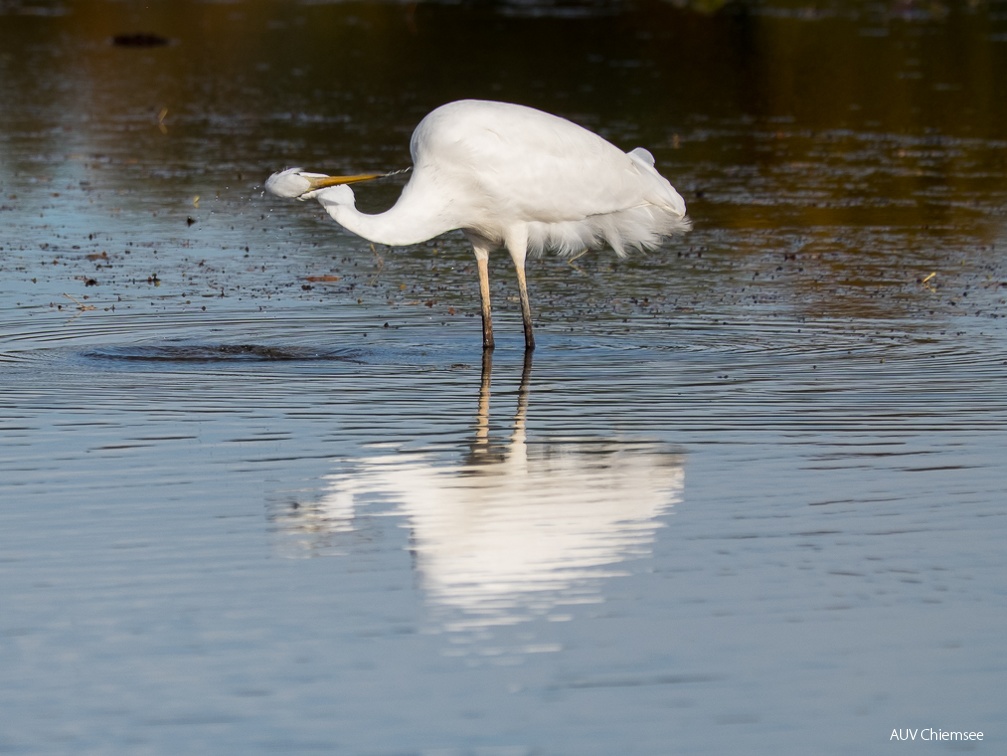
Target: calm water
(260,493)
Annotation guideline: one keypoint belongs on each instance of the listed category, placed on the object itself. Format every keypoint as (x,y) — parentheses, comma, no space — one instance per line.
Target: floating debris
(140,39)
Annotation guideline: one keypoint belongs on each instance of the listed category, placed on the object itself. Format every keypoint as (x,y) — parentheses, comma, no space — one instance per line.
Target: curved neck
(407,222)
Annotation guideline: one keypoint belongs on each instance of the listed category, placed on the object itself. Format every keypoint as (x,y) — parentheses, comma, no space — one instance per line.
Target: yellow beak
(321,182)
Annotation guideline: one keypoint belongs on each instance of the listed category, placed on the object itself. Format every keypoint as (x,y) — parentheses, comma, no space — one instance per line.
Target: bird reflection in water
(514,529)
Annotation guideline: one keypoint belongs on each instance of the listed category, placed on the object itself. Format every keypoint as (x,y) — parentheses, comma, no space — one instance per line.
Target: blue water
(723,548)
(260,493)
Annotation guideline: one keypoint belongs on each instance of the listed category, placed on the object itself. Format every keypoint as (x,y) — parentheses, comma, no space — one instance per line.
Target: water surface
(260,492)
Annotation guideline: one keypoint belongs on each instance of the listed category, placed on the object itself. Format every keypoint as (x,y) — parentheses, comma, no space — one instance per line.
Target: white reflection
(515,529)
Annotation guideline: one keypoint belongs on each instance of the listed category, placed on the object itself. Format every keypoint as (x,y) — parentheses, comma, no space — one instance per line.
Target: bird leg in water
(482,263)
(529,336)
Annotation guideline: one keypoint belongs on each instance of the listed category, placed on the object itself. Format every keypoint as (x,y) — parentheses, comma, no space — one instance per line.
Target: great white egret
(512,176)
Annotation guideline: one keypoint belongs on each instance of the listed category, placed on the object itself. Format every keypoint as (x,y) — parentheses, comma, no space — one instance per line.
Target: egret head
(297,183)
(292,182)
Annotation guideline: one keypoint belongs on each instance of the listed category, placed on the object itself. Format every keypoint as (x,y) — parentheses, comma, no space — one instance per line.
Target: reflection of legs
(522,399)
(481,444)
(483,413)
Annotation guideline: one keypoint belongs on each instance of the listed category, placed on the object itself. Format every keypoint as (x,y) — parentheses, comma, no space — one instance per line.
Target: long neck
(413,219)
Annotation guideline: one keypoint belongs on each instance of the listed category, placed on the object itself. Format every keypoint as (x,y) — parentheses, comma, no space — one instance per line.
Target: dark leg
(482,262)
(529,336)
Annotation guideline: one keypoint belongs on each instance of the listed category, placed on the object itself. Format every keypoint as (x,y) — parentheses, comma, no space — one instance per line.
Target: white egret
(509,176)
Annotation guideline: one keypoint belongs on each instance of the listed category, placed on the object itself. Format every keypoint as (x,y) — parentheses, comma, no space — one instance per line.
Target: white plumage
(509,176)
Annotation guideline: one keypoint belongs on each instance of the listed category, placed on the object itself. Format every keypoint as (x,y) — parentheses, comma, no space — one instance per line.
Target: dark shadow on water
(221,353)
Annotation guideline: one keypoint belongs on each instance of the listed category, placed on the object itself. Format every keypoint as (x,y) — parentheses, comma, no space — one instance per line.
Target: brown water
(259,493)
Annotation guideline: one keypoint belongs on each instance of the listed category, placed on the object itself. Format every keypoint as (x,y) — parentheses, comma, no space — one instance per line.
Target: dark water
(260,493)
